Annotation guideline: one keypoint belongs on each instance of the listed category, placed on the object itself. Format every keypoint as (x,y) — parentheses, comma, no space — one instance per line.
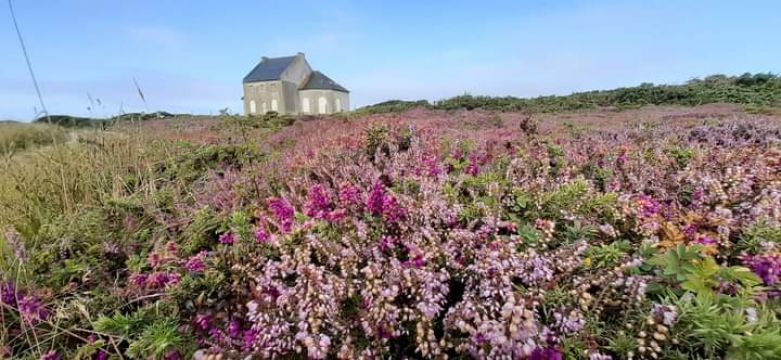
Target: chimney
(263,59)
(300,54)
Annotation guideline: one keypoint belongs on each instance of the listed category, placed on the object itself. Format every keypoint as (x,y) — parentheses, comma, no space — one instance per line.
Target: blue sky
(190,56)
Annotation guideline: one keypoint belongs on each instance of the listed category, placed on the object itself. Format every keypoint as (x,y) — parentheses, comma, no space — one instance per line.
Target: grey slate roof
(269,69)
(318,81)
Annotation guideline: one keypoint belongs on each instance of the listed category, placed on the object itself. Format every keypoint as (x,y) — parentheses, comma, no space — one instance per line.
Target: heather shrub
(393,237)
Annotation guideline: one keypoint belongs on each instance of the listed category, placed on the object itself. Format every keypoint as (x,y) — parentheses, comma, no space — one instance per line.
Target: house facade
(288,85)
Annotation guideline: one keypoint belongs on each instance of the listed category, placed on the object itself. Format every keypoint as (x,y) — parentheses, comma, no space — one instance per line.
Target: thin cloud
(158,35)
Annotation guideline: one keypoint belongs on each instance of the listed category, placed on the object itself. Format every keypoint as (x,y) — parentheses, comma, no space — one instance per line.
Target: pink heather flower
(227,238)
(668,315)
(261,235)
(171,248)
(350,196)
(195,264)
(387,243)
(51,355)
(154,260)
(337,215)
(162,279)
(318,204)
(283,212)
(391,211)
(32,310)
(382,204)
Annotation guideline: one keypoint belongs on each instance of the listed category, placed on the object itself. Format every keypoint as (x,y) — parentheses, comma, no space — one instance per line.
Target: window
(273,104)
(305,105)
(338,104)
(322,105)
(252,108)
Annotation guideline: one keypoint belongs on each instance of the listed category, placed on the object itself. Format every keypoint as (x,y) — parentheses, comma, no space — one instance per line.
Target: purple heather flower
(432,164)
(767,267)
(101,355)
(173,355)
(318,204)
(546,354)
(349,196)
(203,322)
(621,160)
(283,212)
(234,328)
(138,280)
(195,264)
(690,231)
(249,337)
(376,199)
(51,355)
(227,238)
(32,310)
(706,241)
(8,293)
(417,260)
(474,166)
(648,206)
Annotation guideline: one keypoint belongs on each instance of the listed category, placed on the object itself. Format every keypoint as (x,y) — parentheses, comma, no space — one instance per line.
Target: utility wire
(27,59)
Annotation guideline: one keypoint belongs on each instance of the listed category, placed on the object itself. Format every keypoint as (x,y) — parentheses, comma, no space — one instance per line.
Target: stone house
(288,85)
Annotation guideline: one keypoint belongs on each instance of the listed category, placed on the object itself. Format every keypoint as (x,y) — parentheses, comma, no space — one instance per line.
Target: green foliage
(759,233)
(192,163)
(391,106)
(718,326)
(682,156)
(376,139)
(765,90)
(157,340)
(607,255)
(699,273)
